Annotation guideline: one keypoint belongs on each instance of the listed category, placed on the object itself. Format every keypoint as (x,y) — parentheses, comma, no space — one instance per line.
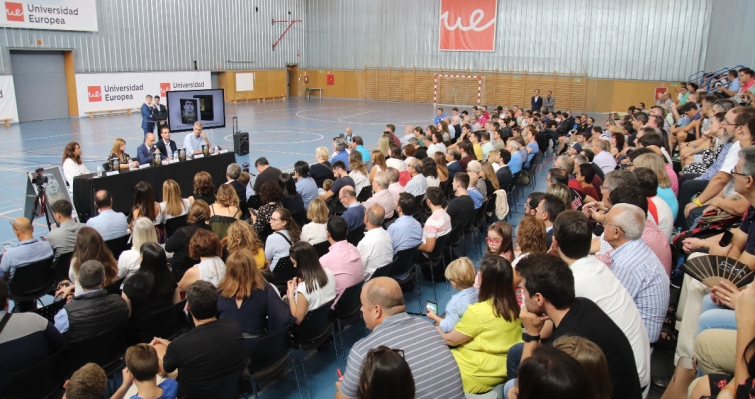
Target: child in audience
(326,185)
(142,367)
(461,274)
(87,382)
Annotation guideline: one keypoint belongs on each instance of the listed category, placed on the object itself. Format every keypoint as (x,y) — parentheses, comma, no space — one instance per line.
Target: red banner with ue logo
(468,25)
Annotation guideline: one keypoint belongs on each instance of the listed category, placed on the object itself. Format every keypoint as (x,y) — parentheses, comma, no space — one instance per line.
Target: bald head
(386,293)
(23,225)
(375,215)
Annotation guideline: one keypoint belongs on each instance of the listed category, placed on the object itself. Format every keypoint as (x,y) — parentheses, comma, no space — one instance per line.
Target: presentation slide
(187,107)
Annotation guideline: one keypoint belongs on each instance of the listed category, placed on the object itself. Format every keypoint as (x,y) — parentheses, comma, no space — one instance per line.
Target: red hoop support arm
(291,23)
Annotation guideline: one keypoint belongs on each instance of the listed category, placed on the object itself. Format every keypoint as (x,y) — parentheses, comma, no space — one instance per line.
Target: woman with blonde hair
(665,191)
(440,164)
(72,164)
(384,145)
(245,296)
(489,175)
(143,232)
(173,205)
(118,152)
(241,236)
(204,190)
(561,191)
(378,162)
(225,210)
(592,359)
(315,231)
(358,171)
(322,170)
(89,246)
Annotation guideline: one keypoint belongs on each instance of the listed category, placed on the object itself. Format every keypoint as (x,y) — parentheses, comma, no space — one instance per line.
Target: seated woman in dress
(89,246)
(487,329)
(316,287)
(225,210)
(144,204)
(204,246)
(315,231)
(242,236)
(173,205)
(72,164)
(179,242)
(291,200)
(245,296)
(124,160)
(270,196)
(203,188)
(128,261)
(286,233)
(152,287)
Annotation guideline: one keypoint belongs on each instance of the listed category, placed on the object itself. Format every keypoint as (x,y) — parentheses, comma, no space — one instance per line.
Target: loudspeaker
(241,143)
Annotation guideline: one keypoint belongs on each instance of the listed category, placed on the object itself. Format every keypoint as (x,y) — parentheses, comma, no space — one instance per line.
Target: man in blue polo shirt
(28,251)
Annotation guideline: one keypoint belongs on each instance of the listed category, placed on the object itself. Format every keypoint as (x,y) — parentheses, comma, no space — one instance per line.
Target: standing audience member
(406,232)
(63,239)
(343,259)
(384,312)
(376,248)
(208,353)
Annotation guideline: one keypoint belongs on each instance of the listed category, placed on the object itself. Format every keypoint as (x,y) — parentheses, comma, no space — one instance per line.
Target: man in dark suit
(452,157)
(146,149)
(148,124)
(504,175)
(159,113)
(232,173)
(537,101)
(166,146)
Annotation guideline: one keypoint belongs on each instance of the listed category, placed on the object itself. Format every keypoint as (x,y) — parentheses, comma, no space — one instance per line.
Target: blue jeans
(513,359)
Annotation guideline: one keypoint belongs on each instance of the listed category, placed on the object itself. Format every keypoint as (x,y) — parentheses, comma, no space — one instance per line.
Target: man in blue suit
(452,157)
(537,101)
(146,149)
(148,123)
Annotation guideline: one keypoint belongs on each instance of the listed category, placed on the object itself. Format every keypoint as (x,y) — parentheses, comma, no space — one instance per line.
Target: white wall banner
(80,15)
(8,108)
(112,91)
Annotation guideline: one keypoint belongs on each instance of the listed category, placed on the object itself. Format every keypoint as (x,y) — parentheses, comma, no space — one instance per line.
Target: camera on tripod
(39,179)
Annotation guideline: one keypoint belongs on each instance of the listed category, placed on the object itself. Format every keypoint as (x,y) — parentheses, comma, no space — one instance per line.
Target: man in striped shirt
(435,372)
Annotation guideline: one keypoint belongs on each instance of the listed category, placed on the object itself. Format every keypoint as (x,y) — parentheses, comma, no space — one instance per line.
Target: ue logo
(164,87)
(14,11)
(468,26)
(95,93)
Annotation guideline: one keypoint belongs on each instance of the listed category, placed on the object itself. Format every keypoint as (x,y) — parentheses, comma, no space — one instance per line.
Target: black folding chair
(436,258)
(322,248)
(61,266)
(115,288)
(383,271)
(312,332)
(283,272)
(228,388)
(364,194)
(42,380)
(300,218)
(49,311)
(173,224)
(118,245)
(105,349)
(356,235)
(347,310)
(31,282)
(167,323)
(404,270)
(269,357)
(453,242)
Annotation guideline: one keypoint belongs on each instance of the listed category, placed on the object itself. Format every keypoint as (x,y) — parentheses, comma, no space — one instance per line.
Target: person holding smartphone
(461,274)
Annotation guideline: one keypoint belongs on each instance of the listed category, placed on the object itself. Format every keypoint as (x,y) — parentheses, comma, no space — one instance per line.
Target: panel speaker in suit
(241,143)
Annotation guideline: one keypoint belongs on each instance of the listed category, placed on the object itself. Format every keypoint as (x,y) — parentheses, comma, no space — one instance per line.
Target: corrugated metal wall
(155,35)
(730,39)
(630,39)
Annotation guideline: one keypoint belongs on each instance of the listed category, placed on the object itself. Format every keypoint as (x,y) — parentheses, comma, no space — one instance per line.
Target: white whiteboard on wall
(245,81)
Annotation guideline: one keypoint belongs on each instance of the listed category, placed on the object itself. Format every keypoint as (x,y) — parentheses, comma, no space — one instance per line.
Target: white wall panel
(730,39)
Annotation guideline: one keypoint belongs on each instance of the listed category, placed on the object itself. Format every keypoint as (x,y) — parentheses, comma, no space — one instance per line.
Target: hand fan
(712,269)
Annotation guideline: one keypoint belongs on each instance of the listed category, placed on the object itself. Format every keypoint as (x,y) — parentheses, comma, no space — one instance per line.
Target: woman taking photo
(271,196)
(322,170)
(204,190)
(72,164)
(245,296)
(241,236)
(124,160)
(487,329)
(204,246)
(144,204)
(225,210)
(285,233)
(128,261)
(152,287)
(316,287)
(179,242)
(173,205)
(315,231)
(89,246)
(291,199)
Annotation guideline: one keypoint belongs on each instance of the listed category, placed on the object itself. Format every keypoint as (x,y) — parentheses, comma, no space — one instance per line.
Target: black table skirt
(121,185)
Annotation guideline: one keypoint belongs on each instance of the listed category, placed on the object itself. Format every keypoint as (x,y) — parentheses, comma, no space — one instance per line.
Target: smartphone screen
(432,306)
(726,239)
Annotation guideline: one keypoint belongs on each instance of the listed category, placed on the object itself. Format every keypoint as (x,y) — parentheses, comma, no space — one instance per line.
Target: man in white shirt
(417,186)
(408,133)
(603,158)
(381,194)
(376,248)
(593,280)
(194,140)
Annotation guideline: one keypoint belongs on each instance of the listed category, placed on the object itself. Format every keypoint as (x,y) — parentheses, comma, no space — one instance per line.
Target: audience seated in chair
(204,246)
(385,374)
(382,194)
(89,246)
(88,382)
(144,232)
(343,258)
(316,287)
(109,223)
(29,249)
(152,288)
(376,248)
(179,242)
(63,238)
(406,232)
(354,214)
(142,367)
(461,274)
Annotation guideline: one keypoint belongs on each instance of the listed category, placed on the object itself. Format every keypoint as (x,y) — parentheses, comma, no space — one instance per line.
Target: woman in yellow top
(488,329)
(241,235)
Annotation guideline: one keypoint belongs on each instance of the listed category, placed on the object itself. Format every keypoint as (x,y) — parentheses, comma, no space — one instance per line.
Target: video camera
(39,179)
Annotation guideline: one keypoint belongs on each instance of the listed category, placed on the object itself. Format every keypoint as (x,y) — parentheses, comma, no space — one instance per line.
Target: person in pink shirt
(382,194)
(343,258)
